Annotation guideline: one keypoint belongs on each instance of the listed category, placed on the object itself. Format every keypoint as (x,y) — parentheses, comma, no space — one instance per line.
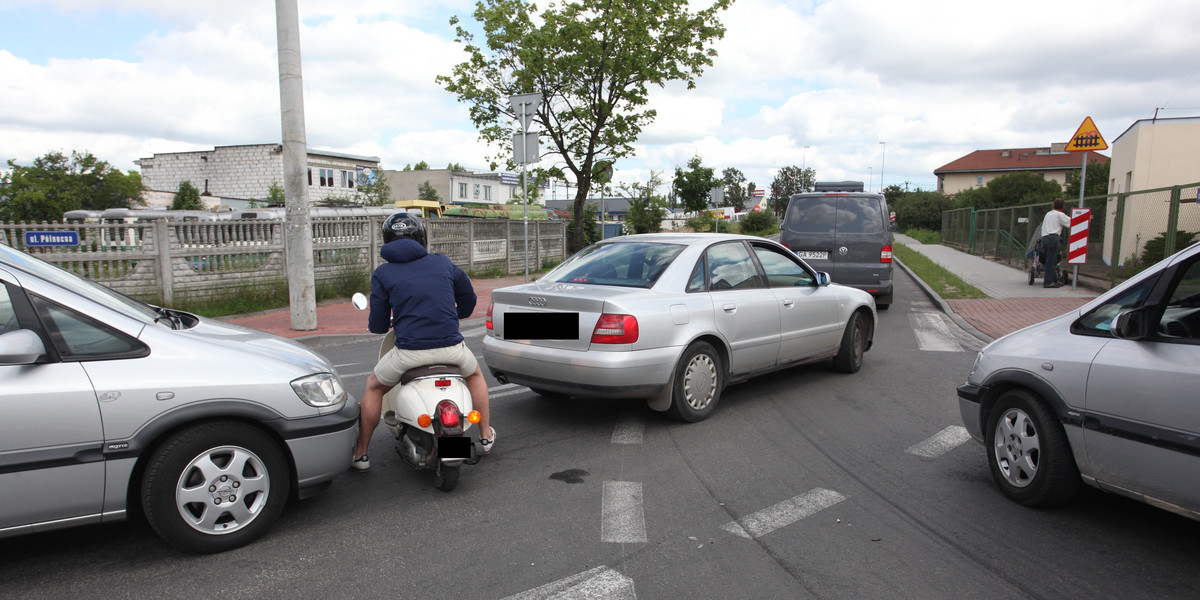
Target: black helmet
(403,225)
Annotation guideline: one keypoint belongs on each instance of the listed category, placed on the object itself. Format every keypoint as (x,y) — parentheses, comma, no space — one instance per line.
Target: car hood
(253,345)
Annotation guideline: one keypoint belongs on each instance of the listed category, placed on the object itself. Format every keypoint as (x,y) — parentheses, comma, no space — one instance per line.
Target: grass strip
(943,282)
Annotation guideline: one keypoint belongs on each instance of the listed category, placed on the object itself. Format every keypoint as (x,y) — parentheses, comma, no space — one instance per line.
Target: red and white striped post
(1078,240)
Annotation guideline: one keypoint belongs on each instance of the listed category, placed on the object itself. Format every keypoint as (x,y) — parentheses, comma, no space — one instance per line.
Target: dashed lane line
(783,514)
(622,518)
(630,428)
(941,443)
(600,583)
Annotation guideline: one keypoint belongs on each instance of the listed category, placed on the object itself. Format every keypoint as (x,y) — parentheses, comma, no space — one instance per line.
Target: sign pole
(1086,138)
(1082,188)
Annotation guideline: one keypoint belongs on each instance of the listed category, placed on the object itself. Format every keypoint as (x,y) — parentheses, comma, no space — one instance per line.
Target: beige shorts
(397,361)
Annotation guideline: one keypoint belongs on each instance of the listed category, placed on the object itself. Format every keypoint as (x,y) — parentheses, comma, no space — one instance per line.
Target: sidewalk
(1012,303)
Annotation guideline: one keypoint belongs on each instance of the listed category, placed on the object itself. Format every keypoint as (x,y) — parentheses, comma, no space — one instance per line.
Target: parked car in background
(1105,395)
(846,233)
(673,318)
(113,406)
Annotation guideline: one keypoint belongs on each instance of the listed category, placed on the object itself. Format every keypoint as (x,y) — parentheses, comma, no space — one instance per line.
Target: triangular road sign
(1087,137)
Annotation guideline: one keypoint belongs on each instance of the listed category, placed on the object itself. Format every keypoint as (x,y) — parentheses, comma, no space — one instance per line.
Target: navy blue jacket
(420,295)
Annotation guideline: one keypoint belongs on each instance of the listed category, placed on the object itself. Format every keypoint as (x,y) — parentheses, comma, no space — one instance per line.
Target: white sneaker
(488,443)
(361,463)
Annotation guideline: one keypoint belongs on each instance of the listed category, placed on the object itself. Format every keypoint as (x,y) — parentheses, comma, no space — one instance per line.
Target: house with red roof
(981,166)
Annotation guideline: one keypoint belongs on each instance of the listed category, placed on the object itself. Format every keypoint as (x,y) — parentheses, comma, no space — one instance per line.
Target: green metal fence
(1138,228)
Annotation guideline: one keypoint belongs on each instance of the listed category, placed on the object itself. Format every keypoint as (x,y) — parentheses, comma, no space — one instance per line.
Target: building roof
(1017,159)
(1157,121)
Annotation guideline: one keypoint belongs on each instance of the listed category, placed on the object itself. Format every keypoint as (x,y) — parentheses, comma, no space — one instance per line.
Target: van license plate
(812,254)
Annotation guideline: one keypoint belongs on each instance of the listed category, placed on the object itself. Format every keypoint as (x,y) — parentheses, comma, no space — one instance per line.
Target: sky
(882,92)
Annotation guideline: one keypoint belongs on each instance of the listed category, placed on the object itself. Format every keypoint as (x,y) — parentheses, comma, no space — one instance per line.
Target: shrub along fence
(165,261)
(1128,231)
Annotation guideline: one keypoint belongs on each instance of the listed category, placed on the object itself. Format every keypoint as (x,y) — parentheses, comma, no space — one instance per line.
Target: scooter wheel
(445,478)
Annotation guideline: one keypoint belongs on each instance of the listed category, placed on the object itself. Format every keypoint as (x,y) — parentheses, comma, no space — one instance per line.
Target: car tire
(215,486)
(854,343)
(699,380)
(1028,452)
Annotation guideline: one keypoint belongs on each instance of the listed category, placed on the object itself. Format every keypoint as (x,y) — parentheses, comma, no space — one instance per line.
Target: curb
(943,306)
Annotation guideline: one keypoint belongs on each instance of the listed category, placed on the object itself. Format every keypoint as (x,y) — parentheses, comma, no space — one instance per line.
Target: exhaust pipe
(501,377)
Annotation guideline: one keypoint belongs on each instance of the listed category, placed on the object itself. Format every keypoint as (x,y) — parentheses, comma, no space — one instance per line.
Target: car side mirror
(359,300)
(21,347)
(822,278)
(1131,324)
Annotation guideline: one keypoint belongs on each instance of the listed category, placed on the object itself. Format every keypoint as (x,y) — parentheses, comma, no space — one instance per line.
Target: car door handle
(788,303)
(729,308)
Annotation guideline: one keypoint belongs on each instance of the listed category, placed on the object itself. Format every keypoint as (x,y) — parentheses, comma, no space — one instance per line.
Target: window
(462,190)
(626,264)
(8,314)
(979,180)
(326,177)
(781,270)
(487,192)
(310,176)
(730,267)
(79,337)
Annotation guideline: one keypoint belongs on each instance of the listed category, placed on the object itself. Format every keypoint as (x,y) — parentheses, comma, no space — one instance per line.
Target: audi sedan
(673,318)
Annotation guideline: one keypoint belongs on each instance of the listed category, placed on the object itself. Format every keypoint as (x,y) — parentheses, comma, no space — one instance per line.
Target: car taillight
(448,413)
(615,329)
(488,323)
(885,255)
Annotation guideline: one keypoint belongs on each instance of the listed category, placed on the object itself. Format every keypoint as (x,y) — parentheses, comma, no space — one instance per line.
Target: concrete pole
(298,224)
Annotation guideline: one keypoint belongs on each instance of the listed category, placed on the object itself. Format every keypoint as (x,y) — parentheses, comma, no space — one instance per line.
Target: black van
(847,234)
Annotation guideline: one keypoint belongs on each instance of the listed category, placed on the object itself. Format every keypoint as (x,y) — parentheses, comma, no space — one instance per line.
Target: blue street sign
(51,238)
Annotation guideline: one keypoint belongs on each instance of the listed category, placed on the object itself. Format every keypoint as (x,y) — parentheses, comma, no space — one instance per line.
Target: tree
(455,168)
(1015,189)
(421,166)
(735,189)
(1097,181)
(373,188)
(646,211)
(425,191)
(55,184)
(788,181)
(920,210)
(592,61)
(275,196)
(187,197)
(694,186)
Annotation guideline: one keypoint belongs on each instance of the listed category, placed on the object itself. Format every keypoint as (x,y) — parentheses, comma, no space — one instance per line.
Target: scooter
(429,414)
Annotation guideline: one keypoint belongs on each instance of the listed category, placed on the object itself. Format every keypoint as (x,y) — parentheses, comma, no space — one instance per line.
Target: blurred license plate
(454,447)
(541,326)
(812,254)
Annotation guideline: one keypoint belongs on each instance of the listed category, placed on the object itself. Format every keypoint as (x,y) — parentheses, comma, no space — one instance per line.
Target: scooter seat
(427,371)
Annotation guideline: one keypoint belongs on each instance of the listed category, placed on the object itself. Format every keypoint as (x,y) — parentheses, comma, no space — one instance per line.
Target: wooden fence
(163,261)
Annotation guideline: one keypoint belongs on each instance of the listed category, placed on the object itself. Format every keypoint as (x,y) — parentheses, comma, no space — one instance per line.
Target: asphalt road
(802,484)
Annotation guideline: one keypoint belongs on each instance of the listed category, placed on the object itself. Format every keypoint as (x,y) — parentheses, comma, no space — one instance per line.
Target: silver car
(112,406)
(673,318)
(1106,396)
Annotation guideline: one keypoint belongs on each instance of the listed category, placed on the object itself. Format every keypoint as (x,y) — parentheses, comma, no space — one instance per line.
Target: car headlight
(320,390)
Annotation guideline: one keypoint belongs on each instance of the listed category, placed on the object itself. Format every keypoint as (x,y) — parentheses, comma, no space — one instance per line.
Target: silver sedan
(673,318)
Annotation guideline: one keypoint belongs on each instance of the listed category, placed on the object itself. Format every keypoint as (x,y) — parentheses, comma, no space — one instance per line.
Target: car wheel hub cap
(222,490)
(1018,450)
(699,381)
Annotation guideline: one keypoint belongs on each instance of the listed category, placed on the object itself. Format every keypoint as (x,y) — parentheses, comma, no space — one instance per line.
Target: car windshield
(631,264)
(84,287)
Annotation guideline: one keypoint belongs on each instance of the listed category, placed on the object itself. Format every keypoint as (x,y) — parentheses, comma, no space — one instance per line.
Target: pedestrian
(421,297)
(1052,226)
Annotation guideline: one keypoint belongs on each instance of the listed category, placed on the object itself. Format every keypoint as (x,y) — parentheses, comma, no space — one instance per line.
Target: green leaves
(55,184)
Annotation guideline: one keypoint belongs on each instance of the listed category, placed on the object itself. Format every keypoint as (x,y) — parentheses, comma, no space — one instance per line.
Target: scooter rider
(421,296)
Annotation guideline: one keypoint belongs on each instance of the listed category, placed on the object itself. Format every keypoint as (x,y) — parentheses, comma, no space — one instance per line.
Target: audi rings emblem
(843,250)
(537,301)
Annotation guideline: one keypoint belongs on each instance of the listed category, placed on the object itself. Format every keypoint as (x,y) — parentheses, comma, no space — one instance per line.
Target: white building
(235,175)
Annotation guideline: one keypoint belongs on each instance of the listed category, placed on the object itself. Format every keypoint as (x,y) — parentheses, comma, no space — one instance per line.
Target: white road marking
(508,389)
(474,331)
(601,583)
(945,441)
(783,514)
(932,333)
(630,427)
(622,519)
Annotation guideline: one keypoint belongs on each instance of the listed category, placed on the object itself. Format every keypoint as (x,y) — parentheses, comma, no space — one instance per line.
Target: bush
(1155,249)
(759,223)
(921,210)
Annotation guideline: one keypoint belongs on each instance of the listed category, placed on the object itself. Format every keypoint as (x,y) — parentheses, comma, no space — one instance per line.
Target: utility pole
(298,247)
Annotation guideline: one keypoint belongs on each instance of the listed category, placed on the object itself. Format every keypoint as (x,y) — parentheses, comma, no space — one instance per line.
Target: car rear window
(630,264)
(840,213)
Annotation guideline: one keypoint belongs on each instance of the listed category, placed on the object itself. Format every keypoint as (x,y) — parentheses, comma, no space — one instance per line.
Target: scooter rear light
(885,255)
(488,321)
(441,383)
(615,329)
(448,414)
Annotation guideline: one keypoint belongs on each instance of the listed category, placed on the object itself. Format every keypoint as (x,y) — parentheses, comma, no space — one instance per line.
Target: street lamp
(803,158)
(882,162)
(871,181)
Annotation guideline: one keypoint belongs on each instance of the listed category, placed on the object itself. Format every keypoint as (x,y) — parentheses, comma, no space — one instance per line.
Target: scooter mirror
(359,300)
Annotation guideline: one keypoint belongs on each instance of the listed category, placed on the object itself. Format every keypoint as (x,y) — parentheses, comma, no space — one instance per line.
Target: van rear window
(859,215)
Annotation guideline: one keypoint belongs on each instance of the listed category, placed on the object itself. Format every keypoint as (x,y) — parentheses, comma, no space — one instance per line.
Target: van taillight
(885,255)
(615,329)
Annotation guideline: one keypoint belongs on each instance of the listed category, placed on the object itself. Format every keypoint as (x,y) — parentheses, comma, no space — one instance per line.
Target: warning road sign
(1087,137)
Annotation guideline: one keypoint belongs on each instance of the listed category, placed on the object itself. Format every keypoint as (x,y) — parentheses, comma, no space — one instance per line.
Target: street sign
(1077,246)
(525,107)
(758,193)
(1087,137)
(51,238)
